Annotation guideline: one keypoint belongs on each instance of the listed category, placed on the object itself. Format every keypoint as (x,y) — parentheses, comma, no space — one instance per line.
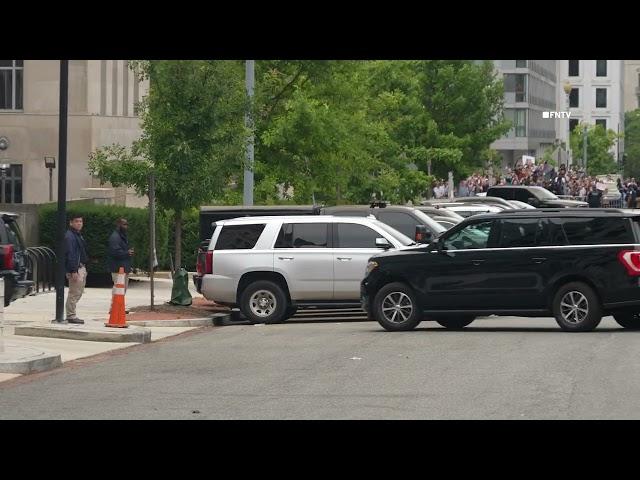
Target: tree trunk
(178,238)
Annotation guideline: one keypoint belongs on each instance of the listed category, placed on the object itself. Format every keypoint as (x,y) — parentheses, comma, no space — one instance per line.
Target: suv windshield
(400,237)
(543,193)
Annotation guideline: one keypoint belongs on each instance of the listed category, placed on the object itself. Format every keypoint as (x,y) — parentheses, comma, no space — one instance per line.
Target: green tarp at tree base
(180,294)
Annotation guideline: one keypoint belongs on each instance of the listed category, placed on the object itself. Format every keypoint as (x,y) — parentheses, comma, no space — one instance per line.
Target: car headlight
(371,266)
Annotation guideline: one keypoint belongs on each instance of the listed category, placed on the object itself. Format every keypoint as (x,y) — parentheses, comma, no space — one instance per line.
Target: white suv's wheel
(264,302)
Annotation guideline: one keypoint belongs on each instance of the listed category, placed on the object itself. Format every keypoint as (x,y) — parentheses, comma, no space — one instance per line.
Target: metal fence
(606,202)
(41,263)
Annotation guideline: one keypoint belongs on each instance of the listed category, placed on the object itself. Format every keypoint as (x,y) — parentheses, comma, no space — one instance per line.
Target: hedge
(99,223)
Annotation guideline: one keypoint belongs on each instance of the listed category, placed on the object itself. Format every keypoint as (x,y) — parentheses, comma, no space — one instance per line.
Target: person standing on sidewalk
(119,254)
(76,258)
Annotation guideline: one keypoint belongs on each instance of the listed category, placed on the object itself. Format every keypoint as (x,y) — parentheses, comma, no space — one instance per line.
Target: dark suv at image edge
(13,268)
(576,265)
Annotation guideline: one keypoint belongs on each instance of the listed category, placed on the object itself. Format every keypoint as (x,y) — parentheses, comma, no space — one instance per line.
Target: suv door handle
(344,259)
(539,259)
(285,258)
(477,262)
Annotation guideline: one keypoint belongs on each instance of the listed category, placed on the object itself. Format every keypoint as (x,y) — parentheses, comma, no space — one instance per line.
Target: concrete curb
(184,322)
(91,334)
(25,360)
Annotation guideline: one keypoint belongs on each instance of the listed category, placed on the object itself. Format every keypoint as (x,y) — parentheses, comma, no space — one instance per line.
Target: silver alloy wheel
(263,303)
(397,307)
(574,307)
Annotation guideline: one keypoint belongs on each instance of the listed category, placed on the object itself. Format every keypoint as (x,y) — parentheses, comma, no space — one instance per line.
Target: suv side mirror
(533,202)
(423,235)
(382,242)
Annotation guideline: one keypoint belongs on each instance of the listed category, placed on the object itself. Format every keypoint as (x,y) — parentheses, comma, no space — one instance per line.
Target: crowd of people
(572,181)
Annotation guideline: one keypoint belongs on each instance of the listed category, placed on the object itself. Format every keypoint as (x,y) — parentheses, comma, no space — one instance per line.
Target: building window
(574,98)
(602,122)
(601,98)
(601,68)
(521,64)
(521,88)
(573,123)
(11,184)
(520,122)
(574,68)
(11,84)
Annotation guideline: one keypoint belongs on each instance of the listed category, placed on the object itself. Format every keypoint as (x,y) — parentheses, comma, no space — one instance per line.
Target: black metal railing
(41,263)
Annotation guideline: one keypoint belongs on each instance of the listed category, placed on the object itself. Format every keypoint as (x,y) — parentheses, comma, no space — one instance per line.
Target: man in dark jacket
(119,254)
(76,259)
(594,198)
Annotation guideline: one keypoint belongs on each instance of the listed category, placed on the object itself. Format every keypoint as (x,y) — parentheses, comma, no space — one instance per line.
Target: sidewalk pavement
(93,307)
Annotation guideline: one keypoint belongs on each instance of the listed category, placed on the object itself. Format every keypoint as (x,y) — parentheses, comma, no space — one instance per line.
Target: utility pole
(248,169)
(584,147)
(62,189)
(152,232)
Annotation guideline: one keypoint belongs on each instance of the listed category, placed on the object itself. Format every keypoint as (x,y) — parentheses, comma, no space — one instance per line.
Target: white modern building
(631,85)
(530,89)
(596,96)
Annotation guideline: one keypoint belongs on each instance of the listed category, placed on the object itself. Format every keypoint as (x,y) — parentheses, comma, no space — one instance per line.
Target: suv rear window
(522,232)
(588,231)
(303,235)
(239,237)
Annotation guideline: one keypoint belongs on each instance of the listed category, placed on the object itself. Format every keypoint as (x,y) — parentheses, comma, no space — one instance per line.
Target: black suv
(12,259)
(573,264)
(538,197)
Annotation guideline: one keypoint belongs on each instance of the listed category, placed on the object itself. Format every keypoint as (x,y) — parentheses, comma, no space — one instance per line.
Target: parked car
(572,264)
(12,258)
(483,200)
(408,220)
(521,205)
(270,266)
(447,222)
(435,210)
(467,210)
(538,197)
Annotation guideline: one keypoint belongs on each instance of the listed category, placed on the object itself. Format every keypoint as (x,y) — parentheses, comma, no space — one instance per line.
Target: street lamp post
(50,163)
(3,168)
(567,90)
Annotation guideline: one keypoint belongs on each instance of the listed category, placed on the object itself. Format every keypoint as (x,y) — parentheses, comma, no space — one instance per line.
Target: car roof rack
(378,204)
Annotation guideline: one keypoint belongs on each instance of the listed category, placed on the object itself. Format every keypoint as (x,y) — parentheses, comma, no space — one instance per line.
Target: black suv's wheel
(628,320)
(396,309)
(456,323)
(263,302)
(577,308)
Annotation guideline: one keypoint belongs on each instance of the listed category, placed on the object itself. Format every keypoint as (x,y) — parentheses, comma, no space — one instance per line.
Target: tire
(589,313)
(291,311)
(628,320)
(457,322)
(401,296)
(264,302)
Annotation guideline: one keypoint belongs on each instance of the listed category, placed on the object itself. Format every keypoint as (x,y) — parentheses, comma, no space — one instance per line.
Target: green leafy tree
(600,159)
(193,136)
(632,143)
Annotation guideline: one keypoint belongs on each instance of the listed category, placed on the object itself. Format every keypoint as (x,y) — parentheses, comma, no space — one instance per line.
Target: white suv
(268,266)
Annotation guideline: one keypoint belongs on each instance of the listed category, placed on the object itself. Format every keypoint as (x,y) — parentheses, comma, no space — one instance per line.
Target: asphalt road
(342,368)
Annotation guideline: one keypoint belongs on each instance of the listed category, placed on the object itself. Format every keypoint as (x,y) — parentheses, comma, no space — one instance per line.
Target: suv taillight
(631,261)
(209,262)
(7,257)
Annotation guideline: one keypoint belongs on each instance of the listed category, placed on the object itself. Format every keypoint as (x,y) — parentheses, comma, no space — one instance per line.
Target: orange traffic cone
(117,317)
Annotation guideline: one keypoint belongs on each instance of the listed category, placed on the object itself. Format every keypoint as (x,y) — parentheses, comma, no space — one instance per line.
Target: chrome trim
(608,245)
